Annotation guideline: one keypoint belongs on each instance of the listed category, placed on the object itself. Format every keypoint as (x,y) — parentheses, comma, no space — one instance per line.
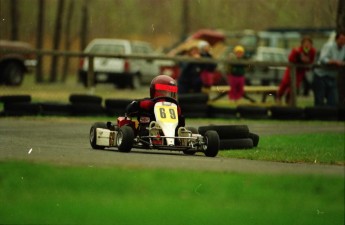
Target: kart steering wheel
(168,99)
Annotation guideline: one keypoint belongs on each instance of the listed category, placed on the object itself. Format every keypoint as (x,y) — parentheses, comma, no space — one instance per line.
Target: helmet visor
(165,90)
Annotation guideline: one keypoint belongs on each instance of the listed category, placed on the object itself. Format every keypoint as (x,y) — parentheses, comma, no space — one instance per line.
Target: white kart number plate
(166,114)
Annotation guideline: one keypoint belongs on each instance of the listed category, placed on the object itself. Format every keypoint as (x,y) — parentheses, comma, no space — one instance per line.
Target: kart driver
(161,86)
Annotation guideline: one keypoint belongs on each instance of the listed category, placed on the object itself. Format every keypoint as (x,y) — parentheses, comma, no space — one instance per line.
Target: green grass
(42,194)
(325,148)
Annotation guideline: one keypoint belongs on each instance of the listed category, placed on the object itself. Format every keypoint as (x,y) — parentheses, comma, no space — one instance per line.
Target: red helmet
(163,85)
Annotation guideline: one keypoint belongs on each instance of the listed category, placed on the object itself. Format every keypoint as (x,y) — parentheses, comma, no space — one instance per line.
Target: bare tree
(341,15)
(56,39)
(84,26)
(185,19)
(14,19)
(39,40)
(67,38)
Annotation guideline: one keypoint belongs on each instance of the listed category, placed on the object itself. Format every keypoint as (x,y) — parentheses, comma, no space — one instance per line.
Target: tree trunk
(341,76)
(56,40)
(185,19)
(14,19)
(84,26)
(67,38)
(39,40)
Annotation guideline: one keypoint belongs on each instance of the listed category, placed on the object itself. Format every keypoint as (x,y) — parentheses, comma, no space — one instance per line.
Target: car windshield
(107,49)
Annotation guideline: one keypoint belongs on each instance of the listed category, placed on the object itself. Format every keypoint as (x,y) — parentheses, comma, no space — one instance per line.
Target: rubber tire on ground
(135,82)
(286,113)
(125,138)
(193,98)
(227,131)
(255,138)
(58,109)
(212,142)
(87,109)
(321,113)
(216,112)
(13,73)
(15,98)
(252,112)
(22,109)
(92,135)
(81,98)
(117,103)
(243,143)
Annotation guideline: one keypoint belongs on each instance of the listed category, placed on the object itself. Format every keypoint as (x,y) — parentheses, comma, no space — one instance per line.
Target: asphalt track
(65,142)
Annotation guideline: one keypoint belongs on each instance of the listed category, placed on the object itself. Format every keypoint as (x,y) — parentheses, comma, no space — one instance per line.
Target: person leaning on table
(324,83)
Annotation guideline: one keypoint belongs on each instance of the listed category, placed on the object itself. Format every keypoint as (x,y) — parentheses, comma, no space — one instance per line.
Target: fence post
(90,72)
(293,91)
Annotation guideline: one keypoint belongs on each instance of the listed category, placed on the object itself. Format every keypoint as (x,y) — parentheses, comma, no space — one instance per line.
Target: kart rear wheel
(93,134)
(212,142)
(125,138)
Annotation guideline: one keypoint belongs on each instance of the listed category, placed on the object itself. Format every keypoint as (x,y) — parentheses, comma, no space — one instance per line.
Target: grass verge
(327,148)
(42,194)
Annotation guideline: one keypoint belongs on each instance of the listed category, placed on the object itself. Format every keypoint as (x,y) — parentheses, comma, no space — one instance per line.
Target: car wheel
(14,74)
(125,138)
(136,82)
(212,142)
(93,134)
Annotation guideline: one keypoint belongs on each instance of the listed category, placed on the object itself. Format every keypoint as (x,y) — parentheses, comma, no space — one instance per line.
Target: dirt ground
(65,141)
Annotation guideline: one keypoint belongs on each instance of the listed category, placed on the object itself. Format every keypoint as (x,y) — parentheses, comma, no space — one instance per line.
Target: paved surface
(65,141)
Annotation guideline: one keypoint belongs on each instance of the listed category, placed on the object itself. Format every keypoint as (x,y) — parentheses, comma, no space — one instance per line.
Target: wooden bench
(223,90)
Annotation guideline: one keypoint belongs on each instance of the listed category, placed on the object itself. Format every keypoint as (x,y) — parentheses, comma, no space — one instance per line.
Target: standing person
(208,68)
(236,74)
(324,83)
(304,54)
(189,80)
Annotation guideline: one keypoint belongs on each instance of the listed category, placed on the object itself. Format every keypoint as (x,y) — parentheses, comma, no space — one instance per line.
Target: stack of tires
(19,105)
(194,105)
(116,107)
(233,136)
(86,105)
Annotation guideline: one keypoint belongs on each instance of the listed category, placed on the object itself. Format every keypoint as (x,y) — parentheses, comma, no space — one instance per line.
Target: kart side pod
(105,137)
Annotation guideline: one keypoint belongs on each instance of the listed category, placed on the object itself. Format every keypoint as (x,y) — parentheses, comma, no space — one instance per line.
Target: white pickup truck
(121,72)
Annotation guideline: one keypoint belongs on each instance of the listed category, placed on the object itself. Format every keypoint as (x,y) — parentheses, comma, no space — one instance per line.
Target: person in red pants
(304,54)
(236,75)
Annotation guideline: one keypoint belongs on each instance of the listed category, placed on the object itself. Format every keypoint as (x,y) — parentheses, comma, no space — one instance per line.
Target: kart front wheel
(93,134)
(212,143)
(125,138)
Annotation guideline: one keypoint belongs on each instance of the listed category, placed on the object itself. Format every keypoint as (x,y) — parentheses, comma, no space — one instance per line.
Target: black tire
(321,113)
(255,138)
(92,135)
(212,141)
(117,103)
(58,109)
(215,112)
(286,113)
(22,109)
(13,73)
(193,98)
(252,112)
(228,144)
(227,131)
(125,138)
(81,98)
(15,98)
(87,109)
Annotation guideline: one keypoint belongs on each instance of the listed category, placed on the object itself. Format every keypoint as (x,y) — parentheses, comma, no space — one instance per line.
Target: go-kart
(161,133)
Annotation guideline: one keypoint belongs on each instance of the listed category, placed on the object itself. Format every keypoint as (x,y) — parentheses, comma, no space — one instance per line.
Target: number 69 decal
(166,113)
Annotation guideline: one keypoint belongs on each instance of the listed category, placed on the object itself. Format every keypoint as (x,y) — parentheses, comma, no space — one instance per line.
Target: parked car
(270,75)
(13,63)
(121,72)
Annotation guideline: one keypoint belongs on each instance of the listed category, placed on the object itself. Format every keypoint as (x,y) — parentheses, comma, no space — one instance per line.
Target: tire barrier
(192,105)
(233,136)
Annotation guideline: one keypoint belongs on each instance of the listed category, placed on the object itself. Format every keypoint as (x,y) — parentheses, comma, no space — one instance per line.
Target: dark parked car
(14,63)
